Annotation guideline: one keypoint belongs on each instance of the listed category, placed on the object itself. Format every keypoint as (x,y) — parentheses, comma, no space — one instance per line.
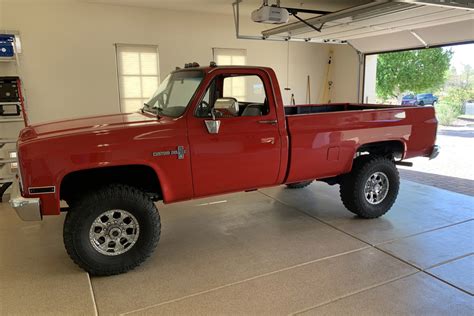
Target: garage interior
(271,251)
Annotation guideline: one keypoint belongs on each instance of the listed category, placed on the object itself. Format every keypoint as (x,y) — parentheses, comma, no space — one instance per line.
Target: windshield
(408,97)
(174,93)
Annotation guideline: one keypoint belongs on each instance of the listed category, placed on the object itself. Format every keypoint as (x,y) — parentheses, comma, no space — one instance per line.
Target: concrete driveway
(453,169)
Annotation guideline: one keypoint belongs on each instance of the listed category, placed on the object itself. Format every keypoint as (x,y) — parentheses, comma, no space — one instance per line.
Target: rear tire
(371,188)
(111,230)
(299,185)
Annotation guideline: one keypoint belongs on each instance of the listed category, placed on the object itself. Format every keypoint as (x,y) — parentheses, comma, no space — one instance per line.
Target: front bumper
(28,209)
(434,152)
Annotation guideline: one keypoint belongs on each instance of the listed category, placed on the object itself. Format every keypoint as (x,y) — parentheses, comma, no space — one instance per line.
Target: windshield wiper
(146,105)
(158,112)
(151,110)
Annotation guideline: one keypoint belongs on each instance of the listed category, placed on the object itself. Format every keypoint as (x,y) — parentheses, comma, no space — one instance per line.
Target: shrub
(446,114)
(456,98)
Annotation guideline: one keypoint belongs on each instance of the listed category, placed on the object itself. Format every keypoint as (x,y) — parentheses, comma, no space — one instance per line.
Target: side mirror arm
(213,114)
(213,125)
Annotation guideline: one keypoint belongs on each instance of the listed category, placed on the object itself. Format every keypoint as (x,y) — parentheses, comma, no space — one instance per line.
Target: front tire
(371,188)
(111,230)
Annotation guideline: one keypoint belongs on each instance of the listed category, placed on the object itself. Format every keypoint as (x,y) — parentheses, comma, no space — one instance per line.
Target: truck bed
(333,107)
(324,138)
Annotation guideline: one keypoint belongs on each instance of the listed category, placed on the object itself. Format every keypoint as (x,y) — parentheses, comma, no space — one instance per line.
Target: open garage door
(375,26)
(444,34)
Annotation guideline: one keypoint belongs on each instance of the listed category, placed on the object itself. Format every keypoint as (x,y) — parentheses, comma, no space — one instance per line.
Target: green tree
(464,79)
(416,71)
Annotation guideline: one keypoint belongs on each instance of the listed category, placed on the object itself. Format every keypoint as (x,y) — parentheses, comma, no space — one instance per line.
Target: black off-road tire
(299,185)
(70,202)
(86,209)
(352,186)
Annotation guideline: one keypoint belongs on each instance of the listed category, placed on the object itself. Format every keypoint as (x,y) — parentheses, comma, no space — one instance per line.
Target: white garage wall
(69,58)
(344,73)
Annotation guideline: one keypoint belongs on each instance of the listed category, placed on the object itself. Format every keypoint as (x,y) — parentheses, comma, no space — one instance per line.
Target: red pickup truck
(206,131)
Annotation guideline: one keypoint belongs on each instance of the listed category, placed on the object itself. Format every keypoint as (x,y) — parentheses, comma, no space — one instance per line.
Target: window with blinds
(229,56)
(235,87)
(138,75)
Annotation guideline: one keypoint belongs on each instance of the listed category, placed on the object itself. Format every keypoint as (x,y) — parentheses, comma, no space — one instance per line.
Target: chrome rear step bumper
(435,152)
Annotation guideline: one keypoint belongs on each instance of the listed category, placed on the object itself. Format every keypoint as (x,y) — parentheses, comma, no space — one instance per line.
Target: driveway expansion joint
(367,288)
(375,246)
(92,294)
(244,280)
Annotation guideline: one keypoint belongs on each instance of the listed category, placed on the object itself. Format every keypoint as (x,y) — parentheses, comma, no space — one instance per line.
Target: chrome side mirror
(213,125)
(229,106)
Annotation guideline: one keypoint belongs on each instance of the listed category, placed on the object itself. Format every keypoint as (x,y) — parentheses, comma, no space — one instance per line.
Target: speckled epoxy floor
(275,251)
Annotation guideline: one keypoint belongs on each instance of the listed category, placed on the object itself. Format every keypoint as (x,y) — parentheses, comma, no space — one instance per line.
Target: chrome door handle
(268,140)
(271,122)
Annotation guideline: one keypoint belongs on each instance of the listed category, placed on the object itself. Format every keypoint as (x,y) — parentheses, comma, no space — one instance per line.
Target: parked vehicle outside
(426,99)
(409,99)
(197,137)
(420,99)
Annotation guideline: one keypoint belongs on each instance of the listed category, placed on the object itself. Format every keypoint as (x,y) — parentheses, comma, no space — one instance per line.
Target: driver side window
(234,96)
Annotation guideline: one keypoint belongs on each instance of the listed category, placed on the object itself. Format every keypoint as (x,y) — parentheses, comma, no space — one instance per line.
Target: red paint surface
(236,159)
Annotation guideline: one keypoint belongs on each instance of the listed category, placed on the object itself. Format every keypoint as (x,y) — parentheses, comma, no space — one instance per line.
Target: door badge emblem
(180,151)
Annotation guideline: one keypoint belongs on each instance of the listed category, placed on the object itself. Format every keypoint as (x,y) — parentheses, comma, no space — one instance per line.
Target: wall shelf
(15,119)
(7,140)
(11,120)
(6,161)
(4,141)
(6,180)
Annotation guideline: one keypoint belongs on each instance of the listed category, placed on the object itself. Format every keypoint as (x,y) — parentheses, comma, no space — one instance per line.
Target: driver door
(245,153)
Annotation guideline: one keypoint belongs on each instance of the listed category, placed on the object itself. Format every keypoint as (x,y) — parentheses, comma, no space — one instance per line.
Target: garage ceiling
(369,26)
(225,6)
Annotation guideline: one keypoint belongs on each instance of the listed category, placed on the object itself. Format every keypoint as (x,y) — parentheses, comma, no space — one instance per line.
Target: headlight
(19,167)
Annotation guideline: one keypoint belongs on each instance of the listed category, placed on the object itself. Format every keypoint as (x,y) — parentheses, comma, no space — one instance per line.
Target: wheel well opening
(393,148)
(138,176)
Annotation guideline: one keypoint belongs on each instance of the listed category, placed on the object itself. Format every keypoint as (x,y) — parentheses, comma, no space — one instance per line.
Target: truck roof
(208,69)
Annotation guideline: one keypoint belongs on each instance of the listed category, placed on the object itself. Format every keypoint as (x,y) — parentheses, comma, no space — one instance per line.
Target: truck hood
(87,124)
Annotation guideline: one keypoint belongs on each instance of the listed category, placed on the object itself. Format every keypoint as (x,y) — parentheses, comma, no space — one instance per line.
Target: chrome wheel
(376,188)
(114,232)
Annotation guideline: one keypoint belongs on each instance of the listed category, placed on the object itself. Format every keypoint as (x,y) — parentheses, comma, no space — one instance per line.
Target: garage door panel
(455,32)
(385,42)
(417,15)
(408,25)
